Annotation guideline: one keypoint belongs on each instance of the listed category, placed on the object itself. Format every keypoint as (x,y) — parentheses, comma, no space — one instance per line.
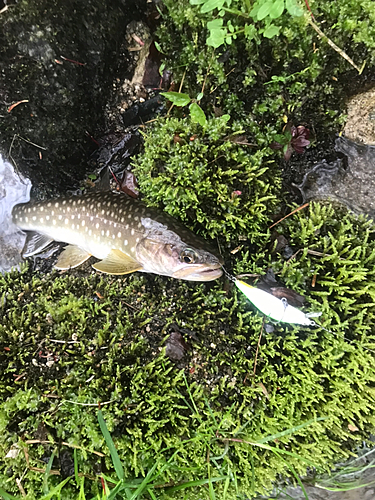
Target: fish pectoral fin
(71,256)
(117,262)
(35,243)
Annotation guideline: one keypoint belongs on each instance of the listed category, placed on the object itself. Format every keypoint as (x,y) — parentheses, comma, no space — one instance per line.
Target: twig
(70,445)
(335,47)
(291,213)
(87,404)
(20,487)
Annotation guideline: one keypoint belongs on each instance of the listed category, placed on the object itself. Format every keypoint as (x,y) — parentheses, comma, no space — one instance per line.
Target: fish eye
(188,256)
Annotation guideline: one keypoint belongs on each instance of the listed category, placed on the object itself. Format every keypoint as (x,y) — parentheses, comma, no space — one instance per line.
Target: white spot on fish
(48,204)
(82,223)
(34,217)
(41,209)
(60,217)
(126,243)
(34,209)
(41,220)
(119,234)
(90,232)
(66,221)
(47,217)
(102,232)
(56,204)
(127,226)
(137,240)
(97,225)
(26,219)
(54,222)
(52,213)
(73,226)
(132,232)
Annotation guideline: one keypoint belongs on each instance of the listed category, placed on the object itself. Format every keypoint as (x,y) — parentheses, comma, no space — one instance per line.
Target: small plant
(245,15)
(294,139)
(179,99)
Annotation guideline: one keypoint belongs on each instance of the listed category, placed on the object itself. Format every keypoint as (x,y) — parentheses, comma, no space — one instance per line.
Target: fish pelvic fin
(117,262)
(72,256)
(35,243)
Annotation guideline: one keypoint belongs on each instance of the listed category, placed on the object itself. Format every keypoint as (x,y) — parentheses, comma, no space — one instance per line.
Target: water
(14,189)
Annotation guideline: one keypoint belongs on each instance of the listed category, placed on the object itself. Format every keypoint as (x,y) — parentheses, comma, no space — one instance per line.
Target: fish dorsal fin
(72,256)
(117,262)
(35,243)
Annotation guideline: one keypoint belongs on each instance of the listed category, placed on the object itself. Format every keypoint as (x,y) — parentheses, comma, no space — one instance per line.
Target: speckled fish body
(123,233)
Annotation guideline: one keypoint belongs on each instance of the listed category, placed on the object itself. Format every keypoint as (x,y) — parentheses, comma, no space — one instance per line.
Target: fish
(122,232)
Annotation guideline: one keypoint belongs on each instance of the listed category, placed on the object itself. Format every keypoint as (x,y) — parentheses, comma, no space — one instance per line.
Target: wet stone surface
(350,180)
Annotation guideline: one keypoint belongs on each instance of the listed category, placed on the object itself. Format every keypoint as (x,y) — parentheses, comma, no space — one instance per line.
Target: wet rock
(352,185)
(61,58)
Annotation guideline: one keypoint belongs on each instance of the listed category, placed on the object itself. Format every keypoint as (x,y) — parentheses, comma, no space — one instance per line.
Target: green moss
(205,178)
(119,328)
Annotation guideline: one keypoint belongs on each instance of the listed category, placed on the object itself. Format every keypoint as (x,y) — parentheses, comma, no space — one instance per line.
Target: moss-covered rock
(68,341)
(205,177)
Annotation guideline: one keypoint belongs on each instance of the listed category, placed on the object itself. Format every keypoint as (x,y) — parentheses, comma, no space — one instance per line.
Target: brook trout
(123,233)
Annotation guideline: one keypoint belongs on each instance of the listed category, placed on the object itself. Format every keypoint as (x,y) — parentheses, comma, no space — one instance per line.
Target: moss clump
(207,426)
(202,176)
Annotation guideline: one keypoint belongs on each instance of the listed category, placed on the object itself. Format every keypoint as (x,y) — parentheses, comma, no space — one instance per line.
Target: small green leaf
(210,5)
(264,10)
(158,47)
(225,118)
(271,31)
(250,31)
(177,98)
(277,9)
(197,114)
(293,9)
(199,96)
(217,33)
(161,69)
(196,2)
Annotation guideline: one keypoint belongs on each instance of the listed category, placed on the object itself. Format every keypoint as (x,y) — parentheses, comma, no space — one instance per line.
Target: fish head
(178,255)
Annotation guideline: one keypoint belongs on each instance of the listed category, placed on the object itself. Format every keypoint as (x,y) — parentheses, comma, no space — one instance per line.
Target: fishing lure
(272,307)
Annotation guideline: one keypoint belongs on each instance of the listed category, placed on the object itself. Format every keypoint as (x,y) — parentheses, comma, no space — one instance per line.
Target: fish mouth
(205,274)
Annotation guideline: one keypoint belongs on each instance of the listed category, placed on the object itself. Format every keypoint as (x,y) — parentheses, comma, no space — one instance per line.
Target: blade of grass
(144,483)
(56,490)
(291,430)
(191,484)
(111,446)
(6,495)
(75,466)
(47,472)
